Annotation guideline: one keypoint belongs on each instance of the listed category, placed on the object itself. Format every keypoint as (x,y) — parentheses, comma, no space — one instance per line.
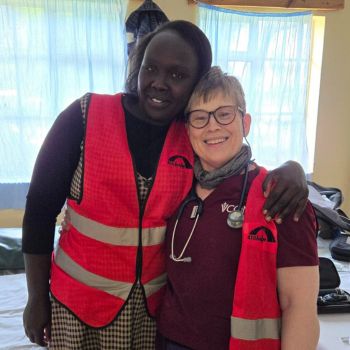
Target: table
(335,326)
(13,297)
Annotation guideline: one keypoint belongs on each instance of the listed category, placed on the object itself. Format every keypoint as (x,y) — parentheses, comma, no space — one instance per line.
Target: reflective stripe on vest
(116,288)
(255,329)
(255,319)
(115,235)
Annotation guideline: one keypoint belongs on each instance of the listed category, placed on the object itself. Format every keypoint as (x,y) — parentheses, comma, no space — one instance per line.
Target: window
(271,55)
(52,52)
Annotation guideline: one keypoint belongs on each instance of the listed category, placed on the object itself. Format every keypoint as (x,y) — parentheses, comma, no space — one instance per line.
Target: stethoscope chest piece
(235,219)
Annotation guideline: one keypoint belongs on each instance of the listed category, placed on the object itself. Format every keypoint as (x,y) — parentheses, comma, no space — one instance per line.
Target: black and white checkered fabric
(143,187)
(77,181)
(134,329)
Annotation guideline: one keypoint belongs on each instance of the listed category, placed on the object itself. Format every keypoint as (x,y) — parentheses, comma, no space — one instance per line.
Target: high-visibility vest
(256,315)
(113,244)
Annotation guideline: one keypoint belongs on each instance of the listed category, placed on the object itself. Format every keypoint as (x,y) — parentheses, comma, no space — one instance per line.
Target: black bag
(11,257)
(326,202)
(340,247)
(331,299)
(333,223)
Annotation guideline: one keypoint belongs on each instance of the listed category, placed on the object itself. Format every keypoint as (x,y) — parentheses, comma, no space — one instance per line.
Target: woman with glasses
(235,280)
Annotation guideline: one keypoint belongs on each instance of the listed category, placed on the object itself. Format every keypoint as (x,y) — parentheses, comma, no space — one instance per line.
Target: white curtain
(270,54)
(51,53)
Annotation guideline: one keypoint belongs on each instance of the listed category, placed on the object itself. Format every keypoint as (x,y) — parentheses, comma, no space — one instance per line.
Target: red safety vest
(113,244)
(256,314)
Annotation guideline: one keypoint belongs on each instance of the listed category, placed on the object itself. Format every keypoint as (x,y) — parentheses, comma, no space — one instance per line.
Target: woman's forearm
(38,274)
(300,329)
(297,290)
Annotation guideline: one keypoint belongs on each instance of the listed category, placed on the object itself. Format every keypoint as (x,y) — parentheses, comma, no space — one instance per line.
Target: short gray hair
(213,82)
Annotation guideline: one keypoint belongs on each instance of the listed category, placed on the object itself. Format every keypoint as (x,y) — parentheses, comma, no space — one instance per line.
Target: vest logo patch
(262,234)
(180,162)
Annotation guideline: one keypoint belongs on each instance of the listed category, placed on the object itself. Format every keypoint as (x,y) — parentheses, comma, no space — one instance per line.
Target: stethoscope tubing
(192,198)
(234,222)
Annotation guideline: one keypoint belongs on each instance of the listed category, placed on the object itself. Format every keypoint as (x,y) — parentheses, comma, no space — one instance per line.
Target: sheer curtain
(51,52)
(270,54)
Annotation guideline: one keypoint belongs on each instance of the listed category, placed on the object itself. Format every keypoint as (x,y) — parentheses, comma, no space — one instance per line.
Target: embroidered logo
(180,162)
(229,208)
(261,234)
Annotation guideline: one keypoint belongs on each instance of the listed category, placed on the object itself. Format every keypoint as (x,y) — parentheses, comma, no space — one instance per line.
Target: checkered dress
(133,329)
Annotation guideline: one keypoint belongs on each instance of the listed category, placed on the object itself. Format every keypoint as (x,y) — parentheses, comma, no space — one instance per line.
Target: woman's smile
(158,102)
(215,141)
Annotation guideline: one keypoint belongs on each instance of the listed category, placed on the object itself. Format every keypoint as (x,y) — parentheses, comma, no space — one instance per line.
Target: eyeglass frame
(212,113)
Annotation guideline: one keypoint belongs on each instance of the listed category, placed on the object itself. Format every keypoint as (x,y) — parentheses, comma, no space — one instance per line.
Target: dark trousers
(163,343)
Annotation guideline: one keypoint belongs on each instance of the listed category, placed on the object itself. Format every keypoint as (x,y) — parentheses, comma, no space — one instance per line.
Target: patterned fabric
(143,185)
(77,181)
(134,329)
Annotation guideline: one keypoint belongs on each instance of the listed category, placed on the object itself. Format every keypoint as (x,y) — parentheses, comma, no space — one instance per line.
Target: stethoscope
(196,212)
(234,219)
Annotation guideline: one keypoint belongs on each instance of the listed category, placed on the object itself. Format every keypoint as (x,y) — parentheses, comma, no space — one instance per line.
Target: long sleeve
(51,179)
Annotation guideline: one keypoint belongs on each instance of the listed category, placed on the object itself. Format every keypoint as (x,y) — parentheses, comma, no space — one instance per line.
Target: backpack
(326,202)
(332,221)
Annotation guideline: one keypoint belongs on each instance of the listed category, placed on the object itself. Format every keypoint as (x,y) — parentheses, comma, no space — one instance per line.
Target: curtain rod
(285,4)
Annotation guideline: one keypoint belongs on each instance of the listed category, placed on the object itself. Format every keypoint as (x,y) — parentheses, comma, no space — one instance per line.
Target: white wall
(332,152)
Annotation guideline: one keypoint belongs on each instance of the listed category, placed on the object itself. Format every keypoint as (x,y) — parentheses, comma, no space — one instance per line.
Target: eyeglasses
(223,115)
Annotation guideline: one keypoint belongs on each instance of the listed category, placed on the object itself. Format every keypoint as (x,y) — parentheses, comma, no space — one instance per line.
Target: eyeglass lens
(223,115)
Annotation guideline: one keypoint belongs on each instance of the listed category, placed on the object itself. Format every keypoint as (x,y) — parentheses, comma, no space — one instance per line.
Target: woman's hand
(286,191)
(37,313)
(37,320)
(66,221)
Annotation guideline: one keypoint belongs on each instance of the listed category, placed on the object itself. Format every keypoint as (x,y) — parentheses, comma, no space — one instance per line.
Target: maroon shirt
(198,302)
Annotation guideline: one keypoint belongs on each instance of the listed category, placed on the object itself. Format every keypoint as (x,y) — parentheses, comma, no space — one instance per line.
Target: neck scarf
(213,178)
